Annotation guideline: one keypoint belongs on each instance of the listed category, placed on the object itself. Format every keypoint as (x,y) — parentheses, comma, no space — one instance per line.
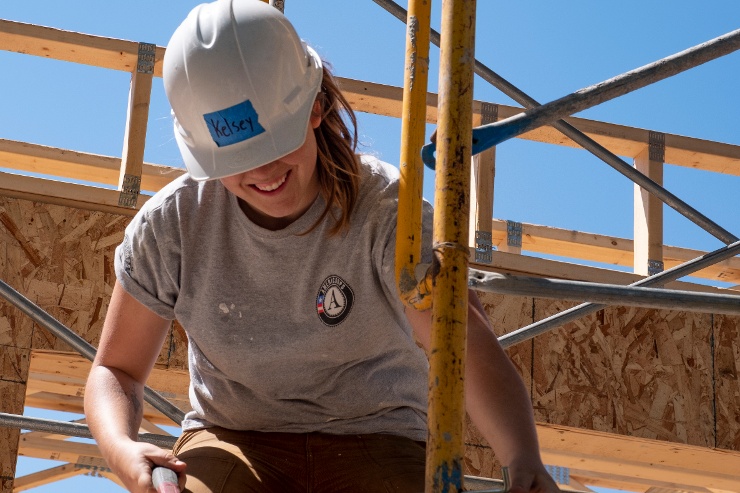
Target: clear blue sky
(546,48)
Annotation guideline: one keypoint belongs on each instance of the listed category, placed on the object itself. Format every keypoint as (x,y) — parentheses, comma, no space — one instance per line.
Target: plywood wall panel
(14,364)
(644,373)
(14,367)
(727,368)
(179,348)
(9,438)
(61,259)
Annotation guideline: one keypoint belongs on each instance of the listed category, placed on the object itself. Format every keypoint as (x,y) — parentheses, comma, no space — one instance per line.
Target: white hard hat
(241,85)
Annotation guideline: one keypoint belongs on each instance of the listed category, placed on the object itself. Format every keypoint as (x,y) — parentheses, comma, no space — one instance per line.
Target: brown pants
(226,461)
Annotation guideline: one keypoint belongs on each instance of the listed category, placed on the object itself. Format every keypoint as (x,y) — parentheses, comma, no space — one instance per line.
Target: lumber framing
(648,214)
(622,140)
(541,239)
(81,166)
(374,98)
(46,476)
(602,459)
(55,380)
(87,49)
(607,249)
(595,458)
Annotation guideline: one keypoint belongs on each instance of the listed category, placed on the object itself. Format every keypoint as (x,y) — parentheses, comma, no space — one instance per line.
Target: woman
(276,253)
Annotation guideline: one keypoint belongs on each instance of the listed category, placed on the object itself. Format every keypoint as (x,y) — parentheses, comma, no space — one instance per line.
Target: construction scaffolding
(589,456)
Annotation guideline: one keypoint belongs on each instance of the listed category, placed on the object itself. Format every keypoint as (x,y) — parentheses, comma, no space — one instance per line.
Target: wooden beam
(57,381)
(508,263)
(134,140)
(63,193)
(46,476)
(149,427)
(61,450)
(617,482)
(482,172)
(95,168)
(57,44)
(543,239)
(607,249)
(589,452)
(75,369)
(369,97)
(621,140)
(648,211)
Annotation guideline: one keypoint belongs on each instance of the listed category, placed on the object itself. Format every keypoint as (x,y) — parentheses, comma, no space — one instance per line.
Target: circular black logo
(334,301)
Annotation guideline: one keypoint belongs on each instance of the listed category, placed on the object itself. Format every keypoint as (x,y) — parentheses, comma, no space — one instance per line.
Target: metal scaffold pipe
(492,134)
(80,345)
(604,293)
(584,141)
(73,429)
(445,447)
(413,120)
(562,318)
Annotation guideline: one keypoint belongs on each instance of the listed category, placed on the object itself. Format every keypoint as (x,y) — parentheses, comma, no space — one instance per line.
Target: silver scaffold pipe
(73,429)
(487,136)
(604,293)
(80,345)
(583,140)
(584,309)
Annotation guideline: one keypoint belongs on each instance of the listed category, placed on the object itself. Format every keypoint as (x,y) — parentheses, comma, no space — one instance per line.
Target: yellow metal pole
(450,294)
(413,121)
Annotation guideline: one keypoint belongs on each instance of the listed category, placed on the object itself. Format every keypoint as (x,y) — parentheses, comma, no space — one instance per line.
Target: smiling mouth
(271,187)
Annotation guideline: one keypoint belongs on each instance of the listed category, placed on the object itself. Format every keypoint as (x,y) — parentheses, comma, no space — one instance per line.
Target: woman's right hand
(133,463)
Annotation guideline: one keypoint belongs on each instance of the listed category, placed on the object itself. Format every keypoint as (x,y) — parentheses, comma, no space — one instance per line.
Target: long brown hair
(337,163)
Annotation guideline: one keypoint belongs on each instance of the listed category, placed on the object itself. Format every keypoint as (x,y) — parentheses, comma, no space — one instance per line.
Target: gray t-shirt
(287,332)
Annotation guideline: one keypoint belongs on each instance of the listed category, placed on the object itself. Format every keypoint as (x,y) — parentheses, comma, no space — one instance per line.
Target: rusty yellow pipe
(451,209)
(408,233)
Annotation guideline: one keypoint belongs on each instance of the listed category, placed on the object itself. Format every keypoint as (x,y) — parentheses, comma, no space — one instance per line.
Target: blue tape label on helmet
(235,124)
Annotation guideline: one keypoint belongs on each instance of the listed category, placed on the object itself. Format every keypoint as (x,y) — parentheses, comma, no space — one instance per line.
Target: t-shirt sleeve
(146,266)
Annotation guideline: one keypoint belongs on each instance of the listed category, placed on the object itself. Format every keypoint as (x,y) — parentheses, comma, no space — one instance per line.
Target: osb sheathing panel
(11,401)
(638,372)
(644,373)
(14,365)
(506,314)
(727,366)
(60,258)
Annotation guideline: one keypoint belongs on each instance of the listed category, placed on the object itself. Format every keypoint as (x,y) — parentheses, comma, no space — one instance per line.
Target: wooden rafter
(607,459)
(600,459)
(57,381)
(374,98)
(46,476)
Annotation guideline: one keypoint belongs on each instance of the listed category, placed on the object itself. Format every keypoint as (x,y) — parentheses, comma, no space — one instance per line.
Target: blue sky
(548,49)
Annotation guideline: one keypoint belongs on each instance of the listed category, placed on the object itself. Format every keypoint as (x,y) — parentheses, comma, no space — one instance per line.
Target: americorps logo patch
(235,124)
(334,301)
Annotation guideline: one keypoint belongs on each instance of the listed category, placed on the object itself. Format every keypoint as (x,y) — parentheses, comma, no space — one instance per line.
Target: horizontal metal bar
(583,140)
(604,293)
(73,429)
(562,318)
(80,345)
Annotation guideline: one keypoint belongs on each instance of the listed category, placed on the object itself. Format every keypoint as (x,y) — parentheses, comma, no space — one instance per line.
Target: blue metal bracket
(484,137)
